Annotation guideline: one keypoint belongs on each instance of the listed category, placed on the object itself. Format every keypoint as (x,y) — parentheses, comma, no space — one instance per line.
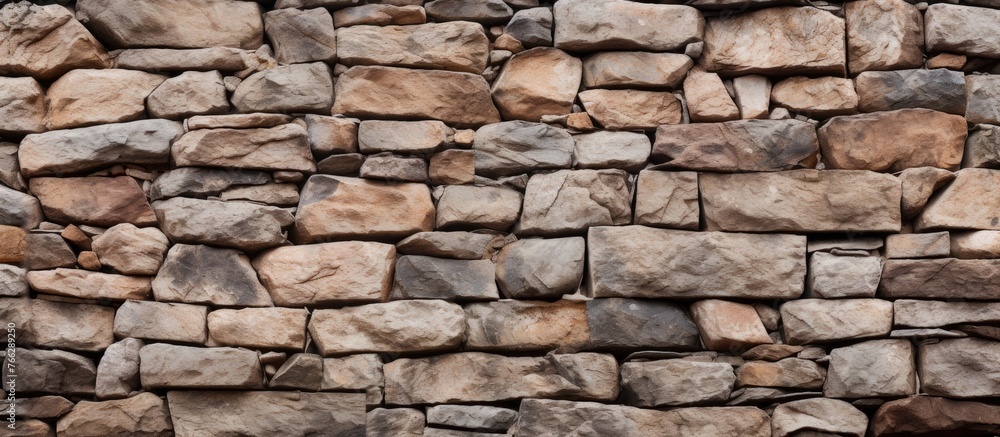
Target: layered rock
(89,285)
(174,322)
(288,88)
(635,70)
(617,323)
(210,413)
(424,277)
(963,205)
(88,97)
(512,325)
(75,327)
(737,146)
(916,414)
(631,109)
(145,414)
(816,97)
(284,147)
(45,42)
(48,372)
(274,328)
(939,278)
(93,201)
(809,321)
(941,90)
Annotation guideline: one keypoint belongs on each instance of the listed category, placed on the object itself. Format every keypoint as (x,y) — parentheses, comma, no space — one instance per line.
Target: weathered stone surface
(707,98)
(539,416)
(728,326)
(826,200)
(455,245)
(379,15)
(483,377)
(392,167)
(456,46)
(145,414)
(89,285)
(531,27)
(118,370)
(783,41)
(676,382)
(355,372)
(289,88)
(808,321)
(271,194)
(328,273)
(475,417)
(983,93)
(395,422)
(238,225)
(537,82)
(894,140)
(13,240)
(771,352)
(919,184)
(570,201)
(639,324)
(635,70)
(424,277)
(964,204)
(930,245)
(271,328)
(975,245)
(88,97)
(45,42)
(40,407)
(169,366)
(667,199)
(69,326)
(629,261)
(223,277)
(206,59)
(238,121)
(190,93)
(45,251)
(459,99)
(922,414)
(471,207)
(591,25)
(124,23)
(405,326)
(203,182)
(631,109)
(788,372)
(300,36)
(606,149)
(93,201)
(982,147)
(10,174)
(12,281)
(514,147)
(883,35)
(753,96)
(334,207)
(284,147)
(737,146)
(481,11)
(933,314)
(823,415)
(961,29)
(514,325)
(22,106)
(820,97)
(452,167)
(215,413)
(79,150)
(49,372)
(299,372)
(20,210)
(872,368)
(402,136)
(940,90)
(959,368)
(331,135)
(537,268)
(174,322)
(832,276)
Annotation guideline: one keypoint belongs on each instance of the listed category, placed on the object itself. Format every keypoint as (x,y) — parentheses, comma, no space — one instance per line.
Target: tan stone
(355,372)
(974,245)
(402,136)
(288,88)
(118,370)
(947,278)
(631,109)
(628,151)
(460,207)
(676,382)
(600,25)
(931,245)
(635,70)
(331,135)
(70,326)
(515,325)
(728,326)
(459,99)
(870,369)
(219,413)
(783,40)
(271,194)
(962,29)
(707,98)
(190,93)
(93,201)
(285,147)
(967,203)
(918,185)
(452,167)
(89,97)
(127,23)
(300,36)
(737,146)
(883,35)
(959,368)
(166,366)
(394,327)
(667,199)
(162,321)
(570,201)
(810,321)
(206,59)
(789,372)
(22,106)
(950,61)
(240,121)
(817,98)
(131,250)
(537,82)
(824,415)
(753,96)
(90,285)
(235,224)
(145,414)
(259,328)
(322,274)
(45,42)
(88,260)
(12,244)
(456,46)
(379,15)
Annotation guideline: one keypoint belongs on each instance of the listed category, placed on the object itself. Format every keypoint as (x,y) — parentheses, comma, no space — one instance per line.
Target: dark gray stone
(639,323)
(341,165)
(742,145)
(50,372)
(203,182)
(424,277)
(209,275)
(47,251)
(941,90)
(532,27)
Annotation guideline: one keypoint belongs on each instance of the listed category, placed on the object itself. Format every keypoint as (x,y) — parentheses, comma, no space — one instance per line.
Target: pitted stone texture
(89,97)
(537,82)
(217,413)
(592,25)
(483,377)
(959,368)
(18,210)
(288,88)
(676,382)
(145,414)
(822,415)
(631,109)
(452,166)
(118,370)
(783,40)
(916,414)
(515,325)
(737,146)
(982,148)
(667,199)
(728,326)
(786,373)
(424,277)
(394,327)
(617,323)
(870,369)
(941,90)
(962,29)
(22,106)
(161,321)
(456,46)
(285,147)
(635,70)
(541,268)
(89,285)
(329,273)
(190,93)
(819,98)
(300,36)
(70,326)
(471,207)
(259,328)
(965,203)
(629,261)
(209,275)
(49,372)
(832,276)
(45,42)
(919,184)
(165,366)
(570,201)
(809,321)
(93,201)
(826,200)
(883,35)
(515,147)
(125,24)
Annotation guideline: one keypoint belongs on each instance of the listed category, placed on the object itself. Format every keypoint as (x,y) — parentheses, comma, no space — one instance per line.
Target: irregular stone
(392,167)
(918,414)
(540,416)
(767,395)
(300,36)
(70,326)
(959,368)
(224,277)
(10,170)
(950,61)
(570,201)
(334,207)
(827,200)
(605,149)
(395,422)
(641,70)
(515,147)
(355,372)
(475,417)
(964,203)
(456,46)
(46,251)
(20,210)
(402,136)
(22,106)
(45,41)
(629,261)
(961,29)
(166,366)
(145,414)
(329,273)
(753,96)
(631,109)
(394,327)
(331,135)
(933,314)
(940,90)
(300,372)
(80,150)
(818,98)
(190,93)
(883,35)
(89,285)
(918,185)
(379,15)
(288,88)
(789,372)
(118,370)
(94,201)
(271,194)
(930,245)
(13,240)
(707,98)
(771,352)
(483,377)
(453,166)
(206,59)
(48,372)
(983,93)
(727,326)
(676,382)
(831,276)
(824,415)
(667,199)
(458,99)
(481,11)
(872,368)
(33,428)
(975,245)
(239,225)
(40,407)
(424,277)
(275,328)
(640,324)
(531,27)
(203,182)
(285,147)
(215,413)
(160,321)
(237,121)
(592,25)
(737,146)
(461,207)
(809,321)
(513,325)
(537,82)
(12,281)
(124,23)
(88,97)
(537,268)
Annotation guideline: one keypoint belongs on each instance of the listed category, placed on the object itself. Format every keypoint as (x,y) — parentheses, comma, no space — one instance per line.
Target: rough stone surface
(973,245)
(470,207)
(45,42)
(188,94)
(259,328)
(631,109)
(169,366)
(19,210)
(931,245)
(918,414)
(940,90)
(74,327)
(809,321)
(961,29)
(404,326)
(667,199)
(355,372)
(635,70)
(300,36)
(872,368)
(379,15)
(173,322)
(118,370)
(482,11)
(932,314)
(590,25)
(402,136)
(816,97)
(203,182)
(512,325)
(454,245)
(918,186)
(224,277)
(537,82)
(240,225)
(93,201)
(49,372)
(676,382)
(737,146)
(640,323)
(707,98)
(789,372)
(983,93)
(832,276)
(477,417)
(569,201)
(214,413)
(424,277)
(144,414)
(289,88)
(320,274)
(392,422)
(22,106)
(628,151)
(728,326)
(963,205)
(456,46)
(541,268)
(514,147)
(284,147)
(959,368)
(823,415)
(88,97)
(89,285)
(883,35)
(123,24)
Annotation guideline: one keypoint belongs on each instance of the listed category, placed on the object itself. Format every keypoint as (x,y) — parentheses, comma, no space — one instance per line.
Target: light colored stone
(70,326)
(870,369)
(809,321)
(631,109)
(47,251)
(727,326)
(322,274)
(165,366)
(833,276)
(259,328)
(820,97)
(217,413)
(962,29)
(883,35)
(392,167)
(570,201)
(300,36)
(395,422)
(48,372)
(536,268)
(89,285)
(482,11)
(88,97)
(964,204)
(452,167)
(145,414)
(402,136)
(635,70)
(394,327)
(628,151)
(514,147)
(12,281)
(959,368)
(284,147)
(788,372)
(983,93)
(118,370)
(933,314)
(205,59)
(929,245)
(240,225)
(331,135)
(475,417)
(753,96)
(190,93)
(707,98)
(271,194)
(19,210)
(737,146)
(131,250)
(824,415)
(238,121)
(471,207)
(93,201)
(940,90)
(22,106)
(537,82)
(456,46)
(593,25)
(224,278)
(161,321)
(288,88)
(300,372)
(974,245)
(379,15)
(355,372)
(125,23)
(424,277)
(940,278)
(676,382)
(516,325)
(45,41)
(918,185)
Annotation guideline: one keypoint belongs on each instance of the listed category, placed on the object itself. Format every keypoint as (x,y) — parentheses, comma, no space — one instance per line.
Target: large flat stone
(240,225)
(75,327)
(816,98)
(145,414)
(834,276)
(737,146)
(515,147)
(456,46)
(872,368)
(630,261)
(635,70)
(284,147)
(425,277)
(210,276)
(45,42)
(259,328)
(53,372)
(93,201)
(966,203)
(517,325)
(355,372)
(960,368)
(167,366)
(394,327)
(617,323)
(809,321)
(161,321)
(126,23)
(538,82)
(825,201)
(472,207)
(947,278)
(288,88)
(321,274)
(920,414)
(22,106)
(216,413)
(785,373)
(631,109)
(676,382)
(939,89)
(592,25)
(962,29)
(936,314)
(89,285)
(89,97)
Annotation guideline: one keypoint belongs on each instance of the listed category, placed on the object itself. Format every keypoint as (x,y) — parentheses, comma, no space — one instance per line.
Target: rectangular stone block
(962,29)
(935,314)
(809,321)
(218,413)
(45,324)
(394,327)
(960,368)
(175,322)
(946,278)
(259,328)
(618,323)
(168,366)
(667,199)
(737,146)
(517,325)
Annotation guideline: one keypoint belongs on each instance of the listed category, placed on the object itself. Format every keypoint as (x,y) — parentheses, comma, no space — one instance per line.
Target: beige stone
(635,70)
(817,98)
(872,368)
(514,147)
(218,413)
(809,321)
(394,327)
(331,135)
(788,372)
(471,207)
(946,278)
(825,415)
(455,46)
(934,314)
(514,325)
(259,328)
(570,201)
(628,151)
(707,98)
(537,82)
(285,147)
(239,225)
(90,285)
(161,321)
(321,274)
(728,326)
(126,23)
(737,146)
(753,96)
(131,250)
(206,59)
(935,244)
(667,199)
(118,370)
(21,210)
(166,366)
(286,195)
(145,414)
(452,167)
(190,93)
(599,25)
(983,93)
(355,372)
(93,201)
(966,203)
(300,36)
(959,368)
(288,88)
(631,109)
(962,29)
(883,35)
(950,61)
(486,12)
(44,324)
(379,15)
(22,106)
(402,136)
(974,245)
(89,97)
(45,42)
(918,185)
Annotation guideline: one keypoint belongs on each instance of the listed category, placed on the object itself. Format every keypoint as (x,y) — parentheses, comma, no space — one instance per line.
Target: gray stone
(947,278)
(190,93)
(916,414)
(982,147)
(832,276)
(288,88)
(596,25)
(941,90)
(300,372)
(472,207)
(203,182)
(531,27)
(959,368)
(224,277)
(217,413)
(933,314)
(355,372)
(871,369)
(617,323)
(455,245)
(517,325)
(206,59)
(787,373)
(809,321)
(88,97)
(379,15)
(667,199)
(165,366)
(514,147)
(395,422)
(118,370)
(300,36)
(40,407)
(128,249)
(628,151)
(481,11)
(475,417)
(394,327)
(676,382)
(424,277)
(10,170)
(239,225)
(49,372)
(570,201)
(983,93)
(144,414)
(161,321)
(456,46)
(70,326)
(123,23)
(392,167)
(285,195)
(536,268)
(824,415)
(50,251)
(737,146)
(961,29)
(12,281)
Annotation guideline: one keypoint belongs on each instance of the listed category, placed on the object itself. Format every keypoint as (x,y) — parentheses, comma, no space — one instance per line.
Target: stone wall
(494,217)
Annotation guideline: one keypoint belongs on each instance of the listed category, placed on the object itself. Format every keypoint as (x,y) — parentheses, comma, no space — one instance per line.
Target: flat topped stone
(808,321)
(144,414)
(514,147)
(599,25)
(662,383)
(967,203)
(516,325)
(127,23)
(93,201)
(240,225)
(284,147)
(883,35)
(215,413)
(946,278)
(618,323)
(167,366)
(537,82)
(70,326)
(456,46)
(938,89)
(394,327)
(45,42)
(737,146)
(962,29)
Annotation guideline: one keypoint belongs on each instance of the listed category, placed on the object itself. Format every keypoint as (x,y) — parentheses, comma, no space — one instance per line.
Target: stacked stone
(500,217)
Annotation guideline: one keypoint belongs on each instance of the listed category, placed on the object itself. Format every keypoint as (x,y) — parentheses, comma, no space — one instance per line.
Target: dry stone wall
(499,217)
